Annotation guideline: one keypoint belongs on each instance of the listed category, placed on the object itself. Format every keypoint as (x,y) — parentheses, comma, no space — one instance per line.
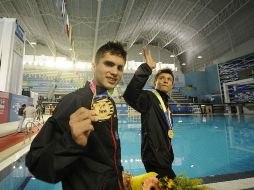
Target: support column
(11,56)
(226,97)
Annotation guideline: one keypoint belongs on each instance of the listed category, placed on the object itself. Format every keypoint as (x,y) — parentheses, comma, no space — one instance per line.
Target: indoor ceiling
(187,28)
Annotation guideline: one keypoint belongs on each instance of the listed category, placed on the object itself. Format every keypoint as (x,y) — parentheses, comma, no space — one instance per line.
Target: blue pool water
(203,146)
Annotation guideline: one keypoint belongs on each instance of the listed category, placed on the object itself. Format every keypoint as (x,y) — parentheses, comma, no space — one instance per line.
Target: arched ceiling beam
(159,24)
(97,27)
(145,16)
(127,12)
(227,12)
(187,19)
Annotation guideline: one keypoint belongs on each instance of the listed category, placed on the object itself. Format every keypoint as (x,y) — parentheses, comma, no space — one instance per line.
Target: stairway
(218,108)
(177,97)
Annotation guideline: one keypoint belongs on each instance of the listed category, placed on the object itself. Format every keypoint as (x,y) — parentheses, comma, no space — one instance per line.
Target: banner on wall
(11,69)
(14,104)
(4,99)
(20,33)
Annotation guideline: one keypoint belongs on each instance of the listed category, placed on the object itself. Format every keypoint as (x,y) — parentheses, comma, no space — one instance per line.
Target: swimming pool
(203,146)
(14,175)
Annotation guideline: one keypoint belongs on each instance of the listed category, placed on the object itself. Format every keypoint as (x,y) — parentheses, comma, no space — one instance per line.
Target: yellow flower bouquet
(149,181)
(181,182)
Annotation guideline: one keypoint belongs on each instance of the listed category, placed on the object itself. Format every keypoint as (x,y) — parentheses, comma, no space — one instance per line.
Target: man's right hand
(148,57)
(81,125)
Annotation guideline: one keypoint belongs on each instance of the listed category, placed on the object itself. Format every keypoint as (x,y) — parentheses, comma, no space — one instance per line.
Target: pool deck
(234,181)
(238,181)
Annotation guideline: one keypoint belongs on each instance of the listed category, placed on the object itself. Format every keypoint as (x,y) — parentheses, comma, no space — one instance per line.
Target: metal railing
(29,126)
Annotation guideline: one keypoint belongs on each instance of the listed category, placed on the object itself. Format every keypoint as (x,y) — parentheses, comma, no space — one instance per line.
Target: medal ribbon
(92,86)
(165,110)
(106,93)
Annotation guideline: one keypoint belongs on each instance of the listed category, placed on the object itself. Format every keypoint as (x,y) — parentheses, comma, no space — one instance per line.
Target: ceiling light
(183,63)
(199,57)
(172,55)
(70,49)
(33,43)
(140,53)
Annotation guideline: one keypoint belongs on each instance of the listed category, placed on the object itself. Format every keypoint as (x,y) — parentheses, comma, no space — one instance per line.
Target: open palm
(148,57)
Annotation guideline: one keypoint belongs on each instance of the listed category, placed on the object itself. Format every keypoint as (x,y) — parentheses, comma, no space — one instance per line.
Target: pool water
(203,146)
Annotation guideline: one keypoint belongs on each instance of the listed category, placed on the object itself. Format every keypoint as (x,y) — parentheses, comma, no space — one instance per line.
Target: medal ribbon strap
(92,87)
(106,93)
(166,112)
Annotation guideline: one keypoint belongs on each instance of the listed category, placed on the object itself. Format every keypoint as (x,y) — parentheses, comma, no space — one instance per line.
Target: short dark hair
(165,70)
(114,48)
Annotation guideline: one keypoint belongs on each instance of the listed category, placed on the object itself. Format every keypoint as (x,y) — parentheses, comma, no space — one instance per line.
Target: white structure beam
(97,27)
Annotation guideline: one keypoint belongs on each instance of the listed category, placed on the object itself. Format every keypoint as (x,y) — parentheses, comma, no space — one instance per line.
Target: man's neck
(101,89)
(162,93)
(164,96)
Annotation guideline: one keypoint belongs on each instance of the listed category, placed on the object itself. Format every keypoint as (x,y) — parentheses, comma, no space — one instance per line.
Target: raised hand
(81,125)
(148,57)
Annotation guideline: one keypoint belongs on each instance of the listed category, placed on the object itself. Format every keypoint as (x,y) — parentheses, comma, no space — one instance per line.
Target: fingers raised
(148,57)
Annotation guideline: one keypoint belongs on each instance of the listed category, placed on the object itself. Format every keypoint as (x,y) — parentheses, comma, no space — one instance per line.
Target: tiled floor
(15,152)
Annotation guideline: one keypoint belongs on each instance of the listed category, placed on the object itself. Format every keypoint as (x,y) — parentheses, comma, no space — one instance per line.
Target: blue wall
(213,84)
(196,82)
(206,84)
(203,84)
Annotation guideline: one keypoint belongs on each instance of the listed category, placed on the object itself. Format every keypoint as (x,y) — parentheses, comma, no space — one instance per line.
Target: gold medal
(103,107)
(170,133)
